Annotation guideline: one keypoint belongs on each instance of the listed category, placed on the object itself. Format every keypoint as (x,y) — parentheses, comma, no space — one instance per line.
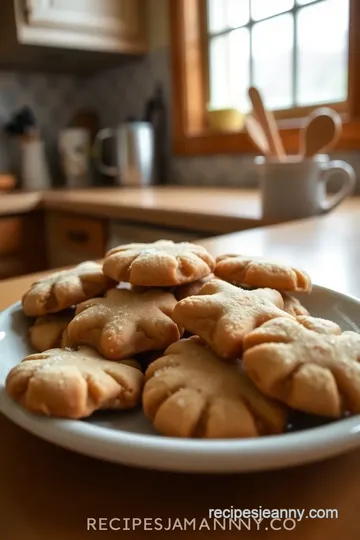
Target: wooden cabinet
(22,245)
(11,241)
(90,24)
(11,229)
(71,240)
(41,32)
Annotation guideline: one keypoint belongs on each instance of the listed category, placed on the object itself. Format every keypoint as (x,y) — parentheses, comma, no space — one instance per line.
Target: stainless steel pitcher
(134,153)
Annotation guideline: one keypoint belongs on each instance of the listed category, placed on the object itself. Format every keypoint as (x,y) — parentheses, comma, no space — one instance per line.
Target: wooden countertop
(19,203)
(47,492)
(205,209)
(212,210)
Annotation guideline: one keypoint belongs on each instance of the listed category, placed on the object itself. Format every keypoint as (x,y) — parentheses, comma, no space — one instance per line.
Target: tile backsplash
(53,99)
(116,95)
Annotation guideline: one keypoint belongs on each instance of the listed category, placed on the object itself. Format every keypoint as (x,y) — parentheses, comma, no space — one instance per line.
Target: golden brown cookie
(161,264)
(307,364)
(73,384)
(191,392)
(223,314)
(191,289)
(64,343)
(48,332)
(65,289)
(293,306)
(124,323)
(242,270)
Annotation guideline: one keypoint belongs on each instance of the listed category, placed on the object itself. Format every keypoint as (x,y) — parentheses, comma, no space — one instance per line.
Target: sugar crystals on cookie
(125,322)
(73,384)
(257,272)
(161,264)
(223,314)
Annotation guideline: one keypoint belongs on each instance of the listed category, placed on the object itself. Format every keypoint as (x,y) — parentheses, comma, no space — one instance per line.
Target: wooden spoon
(268,124)
(257,135)
(321,132)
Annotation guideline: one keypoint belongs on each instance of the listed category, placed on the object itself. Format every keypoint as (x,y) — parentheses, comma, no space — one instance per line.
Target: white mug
(74,148)
(296,188)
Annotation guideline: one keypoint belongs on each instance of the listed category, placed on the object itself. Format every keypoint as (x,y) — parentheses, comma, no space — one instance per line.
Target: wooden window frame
(191,136)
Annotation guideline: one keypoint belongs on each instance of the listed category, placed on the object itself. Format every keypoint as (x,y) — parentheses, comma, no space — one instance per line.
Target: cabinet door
(73,239)
(11,240)
(122,19)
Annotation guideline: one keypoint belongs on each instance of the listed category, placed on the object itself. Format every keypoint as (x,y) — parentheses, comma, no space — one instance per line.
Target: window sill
(210,142)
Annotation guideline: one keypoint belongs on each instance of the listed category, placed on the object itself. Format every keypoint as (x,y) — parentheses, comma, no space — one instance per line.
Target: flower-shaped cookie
(125,322)
(73,384)
(257,272)
(161,264)
(64,289)
(223,314)
(307,364)
(191,392)
(48,332)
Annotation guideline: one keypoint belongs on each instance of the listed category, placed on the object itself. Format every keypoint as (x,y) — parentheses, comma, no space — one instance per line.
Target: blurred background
(106,59)
(136,93)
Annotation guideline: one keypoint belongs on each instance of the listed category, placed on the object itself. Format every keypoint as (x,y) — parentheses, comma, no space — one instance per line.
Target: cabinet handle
(78,237)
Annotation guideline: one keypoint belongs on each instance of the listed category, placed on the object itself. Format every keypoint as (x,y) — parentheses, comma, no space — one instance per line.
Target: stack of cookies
(111,336)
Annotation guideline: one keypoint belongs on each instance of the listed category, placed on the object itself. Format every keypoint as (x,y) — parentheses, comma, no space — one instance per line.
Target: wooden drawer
(74,238)
(10,235)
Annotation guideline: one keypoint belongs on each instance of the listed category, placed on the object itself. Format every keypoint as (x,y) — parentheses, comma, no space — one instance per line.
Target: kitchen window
(299,53)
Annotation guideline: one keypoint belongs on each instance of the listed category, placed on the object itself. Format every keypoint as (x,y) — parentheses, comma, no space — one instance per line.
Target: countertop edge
(205,222)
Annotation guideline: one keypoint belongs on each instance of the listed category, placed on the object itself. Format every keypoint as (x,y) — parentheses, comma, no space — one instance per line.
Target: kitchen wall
(117,94)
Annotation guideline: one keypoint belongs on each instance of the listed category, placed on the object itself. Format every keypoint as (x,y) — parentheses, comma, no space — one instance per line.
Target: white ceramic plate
(128,438)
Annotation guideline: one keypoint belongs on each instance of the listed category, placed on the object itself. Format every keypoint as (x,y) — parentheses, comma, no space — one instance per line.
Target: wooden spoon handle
(268,124)
(257,135)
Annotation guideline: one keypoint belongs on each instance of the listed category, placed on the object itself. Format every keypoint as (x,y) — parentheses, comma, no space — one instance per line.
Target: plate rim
(190,455)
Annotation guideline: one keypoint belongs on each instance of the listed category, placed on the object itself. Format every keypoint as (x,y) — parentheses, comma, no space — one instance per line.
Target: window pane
(273,60)
(217,15)
(260,9)
(323,52)
(219,82)
(238,12)
(239,70)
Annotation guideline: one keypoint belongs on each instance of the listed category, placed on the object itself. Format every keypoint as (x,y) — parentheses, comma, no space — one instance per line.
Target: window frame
(191,136)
